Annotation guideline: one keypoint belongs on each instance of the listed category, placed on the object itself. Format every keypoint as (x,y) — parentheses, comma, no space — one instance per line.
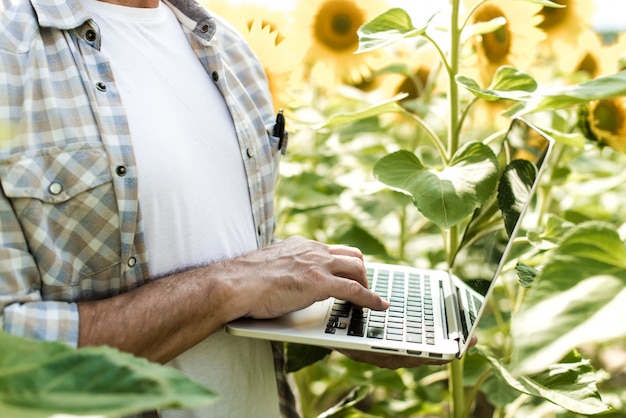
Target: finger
(473,341)
(355,292)
(345,250)
(349,267)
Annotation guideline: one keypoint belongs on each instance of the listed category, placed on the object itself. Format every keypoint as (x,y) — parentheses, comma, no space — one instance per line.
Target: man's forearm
(161,319)
(170,315)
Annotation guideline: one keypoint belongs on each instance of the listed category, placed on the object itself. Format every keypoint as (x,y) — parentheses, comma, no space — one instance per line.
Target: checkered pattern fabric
(70,223)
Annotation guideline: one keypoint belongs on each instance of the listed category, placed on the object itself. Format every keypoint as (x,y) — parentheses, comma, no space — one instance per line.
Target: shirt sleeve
(23,312)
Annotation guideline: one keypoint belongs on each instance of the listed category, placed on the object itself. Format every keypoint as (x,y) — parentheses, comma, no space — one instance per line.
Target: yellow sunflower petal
(333,26)
(563,25)
(512,44)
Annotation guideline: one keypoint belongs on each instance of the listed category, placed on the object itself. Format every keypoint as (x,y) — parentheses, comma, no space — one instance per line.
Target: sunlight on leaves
(570,384)
(448,196)
(563,97)
(580,289)
(386,29)
(508,83)
(340,119)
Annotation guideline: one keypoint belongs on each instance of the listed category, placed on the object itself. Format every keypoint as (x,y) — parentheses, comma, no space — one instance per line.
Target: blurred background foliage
(429,79)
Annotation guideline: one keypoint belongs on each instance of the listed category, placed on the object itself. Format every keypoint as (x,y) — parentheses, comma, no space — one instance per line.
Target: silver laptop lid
(487,239)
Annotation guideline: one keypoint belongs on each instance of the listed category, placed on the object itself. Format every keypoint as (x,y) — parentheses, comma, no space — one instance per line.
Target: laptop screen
(487,237)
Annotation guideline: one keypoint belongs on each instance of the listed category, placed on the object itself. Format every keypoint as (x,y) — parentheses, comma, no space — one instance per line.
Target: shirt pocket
(65,202)
(277,147)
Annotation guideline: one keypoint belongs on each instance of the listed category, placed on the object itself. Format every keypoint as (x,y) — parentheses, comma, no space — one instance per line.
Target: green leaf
(299,356)
(580,290)
(386,106)
(389,27)
(508,84)
(481,28)
(567,96)
(545,3)
(526,274)
(39,379)
(511,79)
(357,236)
(570,384)
(346,403)
(448,196)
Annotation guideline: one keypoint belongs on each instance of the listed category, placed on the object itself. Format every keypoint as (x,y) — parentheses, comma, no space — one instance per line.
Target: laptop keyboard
(410,317)
(473,306)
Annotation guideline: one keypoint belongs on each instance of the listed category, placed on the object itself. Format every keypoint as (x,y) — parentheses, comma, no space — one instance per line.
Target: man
(137,177)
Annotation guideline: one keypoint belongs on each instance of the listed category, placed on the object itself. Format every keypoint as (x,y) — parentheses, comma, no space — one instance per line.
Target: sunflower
(592,58)
(333,26)
(266,31)
(564,25)
(243,15)
(512,44)
(280,58)
(605,121)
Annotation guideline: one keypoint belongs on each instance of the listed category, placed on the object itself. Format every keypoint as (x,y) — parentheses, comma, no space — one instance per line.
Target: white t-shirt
(193,190)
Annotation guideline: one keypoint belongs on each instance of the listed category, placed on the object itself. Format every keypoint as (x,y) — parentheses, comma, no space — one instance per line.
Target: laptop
(433,313)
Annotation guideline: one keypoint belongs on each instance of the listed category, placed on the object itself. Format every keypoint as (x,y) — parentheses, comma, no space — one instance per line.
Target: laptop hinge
(450,310)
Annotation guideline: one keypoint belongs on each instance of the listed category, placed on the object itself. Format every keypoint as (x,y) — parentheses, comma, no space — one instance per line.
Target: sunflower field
(363,85)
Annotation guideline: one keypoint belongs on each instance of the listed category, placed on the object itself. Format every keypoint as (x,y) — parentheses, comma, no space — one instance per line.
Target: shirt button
(90,35)
(204,28)
(259,230)
(250,152)
(215,76)
(121,171)
(101,86)
(132,261)
(55,188)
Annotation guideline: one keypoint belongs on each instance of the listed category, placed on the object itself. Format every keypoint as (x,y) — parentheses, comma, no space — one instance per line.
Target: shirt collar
(70,14)
(60,14)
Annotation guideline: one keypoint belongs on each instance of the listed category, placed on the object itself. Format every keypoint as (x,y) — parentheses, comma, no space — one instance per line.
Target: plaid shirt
(70,222)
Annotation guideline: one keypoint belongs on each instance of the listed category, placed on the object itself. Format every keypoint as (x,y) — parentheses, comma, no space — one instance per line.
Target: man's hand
(294,273)
(393,362)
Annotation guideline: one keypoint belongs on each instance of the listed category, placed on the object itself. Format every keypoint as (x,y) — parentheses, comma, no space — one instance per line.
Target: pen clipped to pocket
(280,132)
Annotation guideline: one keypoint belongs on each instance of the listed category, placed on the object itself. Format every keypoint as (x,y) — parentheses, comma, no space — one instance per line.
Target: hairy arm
(168,316)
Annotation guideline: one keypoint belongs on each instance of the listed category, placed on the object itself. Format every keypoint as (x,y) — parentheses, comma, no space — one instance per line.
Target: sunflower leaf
(508,78)
(445,197)
(508,84)
(39,379)
(580,289)
(545,3)
(481,28)
(299,356)
(385,29)
(526,274)
(606,87)
(346,403)
(385,106)
(570,384)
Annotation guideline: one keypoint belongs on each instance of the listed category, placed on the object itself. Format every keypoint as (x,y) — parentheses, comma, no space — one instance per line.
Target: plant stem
(403,237)
(472,395)
(456,366)
(455,370)
(453,92)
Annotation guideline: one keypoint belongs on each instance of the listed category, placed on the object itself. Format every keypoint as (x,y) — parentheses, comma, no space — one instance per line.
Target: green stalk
(453,92)
(456,366)
(455,370)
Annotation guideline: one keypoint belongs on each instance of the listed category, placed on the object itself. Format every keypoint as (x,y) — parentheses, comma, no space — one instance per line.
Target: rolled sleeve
(23,310)
(43,320)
